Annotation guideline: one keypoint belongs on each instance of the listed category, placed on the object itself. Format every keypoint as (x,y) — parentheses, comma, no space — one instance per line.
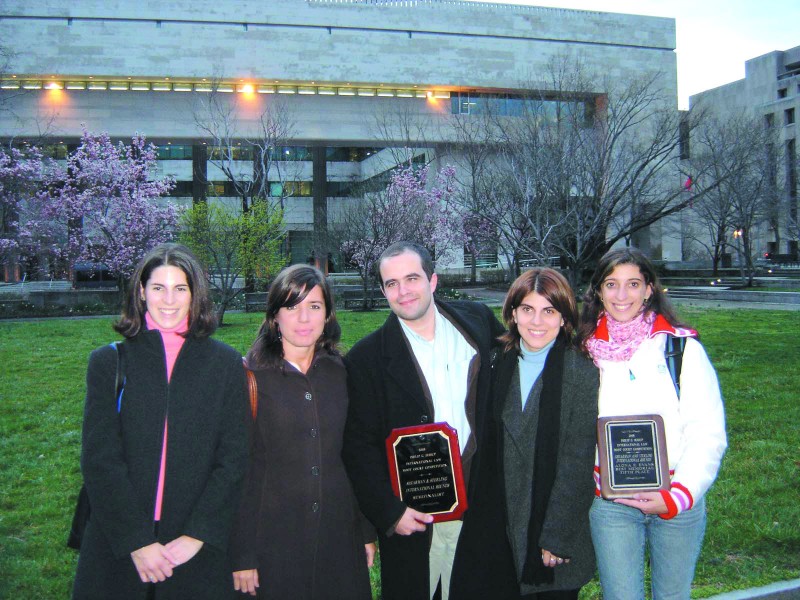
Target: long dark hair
(290,287)
(548,283)
(593,303)
(202,321)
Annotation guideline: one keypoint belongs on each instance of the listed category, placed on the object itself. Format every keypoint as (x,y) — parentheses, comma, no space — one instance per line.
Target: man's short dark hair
(399,248)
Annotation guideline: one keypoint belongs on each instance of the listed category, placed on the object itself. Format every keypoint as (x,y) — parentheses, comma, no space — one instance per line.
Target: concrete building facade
(770,91)
(335,65)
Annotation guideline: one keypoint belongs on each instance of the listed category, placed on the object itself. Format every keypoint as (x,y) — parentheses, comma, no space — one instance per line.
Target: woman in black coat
(299,533)
(163,463)
(527,534)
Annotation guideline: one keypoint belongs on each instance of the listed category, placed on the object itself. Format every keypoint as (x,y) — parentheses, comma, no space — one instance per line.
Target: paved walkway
(783,590)
(494,297)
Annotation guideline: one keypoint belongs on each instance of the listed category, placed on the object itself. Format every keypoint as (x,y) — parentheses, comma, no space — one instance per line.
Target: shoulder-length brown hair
(550,284)
(202,321)
(593,302)
(290,287)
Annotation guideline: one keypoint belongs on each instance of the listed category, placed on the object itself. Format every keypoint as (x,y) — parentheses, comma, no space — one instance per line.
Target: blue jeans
(620,534)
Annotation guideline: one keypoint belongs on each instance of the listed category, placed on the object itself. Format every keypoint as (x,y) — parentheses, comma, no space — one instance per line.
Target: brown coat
(299,525)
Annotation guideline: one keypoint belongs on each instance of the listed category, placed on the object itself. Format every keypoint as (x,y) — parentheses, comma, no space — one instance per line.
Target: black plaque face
(633,455)
(425,466)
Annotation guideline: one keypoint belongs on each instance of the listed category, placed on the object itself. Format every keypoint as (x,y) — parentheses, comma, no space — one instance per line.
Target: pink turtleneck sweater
(173,342)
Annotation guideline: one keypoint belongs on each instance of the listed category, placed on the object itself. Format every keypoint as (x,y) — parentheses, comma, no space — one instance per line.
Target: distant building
(771,91)
(127,67)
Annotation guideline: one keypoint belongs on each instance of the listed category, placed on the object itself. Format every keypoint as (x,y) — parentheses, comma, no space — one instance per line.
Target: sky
(714,37)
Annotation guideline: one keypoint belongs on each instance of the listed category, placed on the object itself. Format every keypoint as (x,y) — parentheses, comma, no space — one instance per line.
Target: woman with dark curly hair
(625,326)
(300,534)
(163,462)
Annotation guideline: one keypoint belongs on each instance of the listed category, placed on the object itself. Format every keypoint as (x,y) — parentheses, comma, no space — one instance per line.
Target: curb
(783,590)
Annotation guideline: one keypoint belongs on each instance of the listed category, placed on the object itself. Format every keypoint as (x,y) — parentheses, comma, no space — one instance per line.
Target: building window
(56,151)
(782,93)
(286,189)
(349,154)
(221,189)
(510,105)
(301,246)
(182,189)
(290,153)
(237,152)
(175,152)
(788,116)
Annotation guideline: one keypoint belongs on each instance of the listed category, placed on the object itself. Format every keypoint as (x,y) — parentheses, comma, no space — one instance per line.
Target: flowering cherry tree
(21,176)
(407,209)
(106,205)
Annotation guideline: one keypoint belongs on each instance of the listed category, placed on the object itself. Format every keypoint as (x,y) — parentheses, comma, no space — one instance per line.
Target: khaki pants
(442,553)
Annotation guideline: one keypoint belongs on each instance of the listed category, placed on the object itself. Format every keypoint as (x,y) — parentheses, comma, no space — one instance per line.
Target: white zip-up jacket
(694,424)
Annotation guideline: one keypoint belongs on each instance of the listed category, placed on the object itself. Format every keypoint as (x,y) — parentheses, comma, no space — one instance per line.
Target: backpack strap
(252,389)
(673,352)
(119,379)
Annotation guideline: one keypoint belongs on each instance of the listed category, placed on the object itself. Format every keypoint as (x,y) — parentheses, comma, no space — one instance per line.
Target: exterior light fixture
(202,87)
(32,85)
(140,86)
(441,95)
(162,87)
(97,85)
(266,89)
(326,91)
(386,93)
(54,85)
(405,93)
(9,85)
(366,92)
(118,86)
(246,88)
(181,87)
(347,92)
(76,85)
(287,89)
(306,90)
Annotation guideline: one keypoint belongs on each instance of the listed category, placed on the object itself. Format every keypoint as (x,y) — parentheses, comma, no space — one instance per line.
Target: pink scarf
(623,338)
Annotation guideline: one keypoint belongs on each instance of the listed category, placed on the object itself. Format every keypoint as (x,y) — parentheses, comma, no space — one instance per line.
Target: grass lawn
(753,535)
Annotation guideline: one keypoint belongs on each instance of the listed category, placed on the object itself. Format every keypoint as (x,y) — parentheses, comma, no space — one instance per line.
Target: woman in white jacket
(625,323)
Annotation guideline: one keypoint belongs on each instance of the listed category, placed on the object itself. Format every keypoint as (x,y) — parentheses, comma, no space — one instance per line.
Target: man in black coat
(398,377)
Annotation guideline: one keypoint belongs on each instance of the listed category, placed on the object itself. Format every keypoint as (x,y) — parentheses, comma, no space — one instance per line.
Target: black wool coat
(484,566)
(299,523)
(386,392)
(206,401)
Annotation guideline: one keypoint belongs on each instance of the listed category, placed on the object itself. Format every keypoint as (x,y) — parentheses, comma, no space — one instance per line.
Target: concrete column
(199,172)
(319,191)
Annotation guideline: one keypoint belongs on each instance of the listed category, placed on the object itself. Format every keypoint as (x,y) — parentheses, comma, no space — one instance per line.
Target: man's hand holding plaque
(633,455)
(425,469)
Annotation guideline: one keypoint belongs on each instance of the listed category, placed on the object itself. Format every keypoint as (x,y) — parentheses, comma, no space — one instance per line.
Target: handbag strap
(252,389)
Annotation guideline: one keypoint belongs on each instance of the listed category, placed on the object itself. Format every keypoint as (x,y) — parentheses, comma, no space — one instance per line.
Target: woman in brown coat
(299,532)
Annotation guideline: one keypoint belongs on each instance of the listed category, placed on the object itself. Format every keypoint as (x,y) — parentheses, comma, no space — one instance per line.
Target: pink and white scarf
(623,338)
